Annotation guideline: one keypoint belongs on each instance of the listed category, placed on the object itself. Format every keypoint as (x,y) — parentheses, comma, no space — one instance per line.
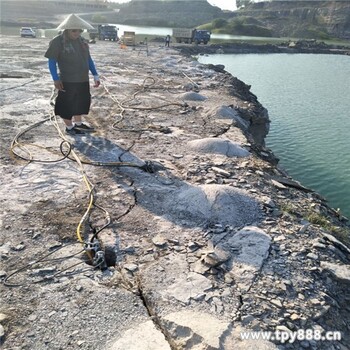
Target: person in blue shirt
(69,52)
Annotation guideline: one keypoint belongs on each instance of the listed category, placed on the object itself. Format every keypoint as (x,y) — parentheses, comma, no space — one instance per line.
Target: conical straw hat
(74,22)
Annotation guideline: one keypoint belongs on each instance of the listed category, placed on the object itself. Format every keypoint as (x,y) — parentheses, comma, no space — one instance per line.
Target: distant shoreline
(306,46)
(302,46)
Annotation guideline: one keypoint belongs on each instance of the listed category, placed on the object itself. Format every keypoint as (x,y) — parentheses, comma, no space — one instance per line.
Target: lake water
(308,99)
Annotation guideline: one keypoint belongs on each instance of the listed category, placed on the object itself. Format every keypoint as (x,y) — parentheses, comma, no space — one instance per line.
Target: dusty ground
(202,240)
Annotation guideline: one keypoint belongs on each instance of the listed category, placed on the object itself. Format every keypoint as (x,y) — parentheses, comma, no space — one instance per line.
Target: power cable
(31,265)
(90,248)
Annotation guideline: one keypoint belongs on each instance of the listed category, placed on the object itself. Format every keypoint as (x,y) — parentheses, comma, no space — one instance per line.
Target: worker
(70,52)
(167,41)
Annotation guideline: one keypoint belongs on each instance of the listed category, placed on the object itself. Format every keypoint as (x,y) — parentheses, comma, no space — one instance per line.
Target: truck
(108,32)
(128,38)
(190,35)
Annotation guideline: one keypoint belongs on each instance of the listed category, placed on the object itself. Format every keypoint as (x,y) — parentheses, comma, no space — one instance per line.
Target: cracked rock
(195,330)
(249,248)
(218,146)
(185,289)
(145,336)
(341,272)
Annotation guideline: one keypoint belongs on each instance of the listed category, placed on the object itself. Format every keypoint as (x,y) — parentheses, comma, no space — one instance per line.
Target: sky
(223,4)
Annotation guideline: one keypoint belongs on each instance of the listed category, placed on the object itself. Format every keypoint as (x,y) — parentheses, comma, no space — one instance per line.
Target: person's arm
(93,70)
(53,71)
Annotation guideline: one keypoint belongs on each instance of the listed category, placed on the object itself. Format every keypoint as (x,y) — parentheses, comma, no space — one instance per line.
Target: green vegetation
(219,23)
(243,25)
(98,19)
(187,14)
(342,234)
(289,208)
(152,22)
(318,219)
(312,32)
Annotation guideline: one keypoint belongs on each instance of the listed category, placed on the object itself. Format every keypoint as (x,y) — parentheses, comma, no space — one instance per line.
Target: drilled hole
(110,257)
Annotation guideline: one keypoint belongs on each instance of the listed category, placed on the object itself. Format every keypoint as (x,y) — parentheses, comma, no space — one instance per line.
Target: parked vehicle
(128,39)
(93,33)
(107,32)
(27,32)
(189,36)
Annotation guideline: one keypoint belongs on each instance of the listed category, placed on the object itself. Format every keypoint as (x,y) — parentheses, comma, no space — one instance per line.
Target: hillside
(307,19)
(166,13)
(41,14)
(303,19)
(300,19)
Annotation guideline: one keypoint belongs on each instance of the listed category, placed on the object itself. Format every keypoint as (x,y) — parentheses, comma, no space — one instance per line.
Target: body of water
(308,99)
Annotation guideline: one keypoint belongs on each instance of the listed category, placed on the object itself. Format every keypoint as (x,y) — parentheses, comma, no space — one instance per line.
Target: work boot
(84,127)
(74,131)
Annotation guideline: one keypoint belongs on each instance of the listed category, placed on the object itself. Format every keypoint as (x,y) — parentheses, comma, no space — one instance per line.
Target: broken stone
(193,96)
(159,241)
(19,247)
(294,317)
(276,302)
(312,256)
(249,248)
(322,312)
(131,267)
(247,319)
(278,185)
(178,156)
(221,171)
(189,327)
(200,267)
(193,246)
(216,257)
(319,245)
(268,202)
(341,272)
(283,329)
(2,333)
(32,317)
(203,203)
(185,289)
(174,241)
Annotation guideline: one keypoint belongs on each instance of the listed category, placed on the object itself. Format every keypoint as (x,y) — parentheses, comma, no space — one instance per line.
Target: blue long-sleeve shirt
(53,68)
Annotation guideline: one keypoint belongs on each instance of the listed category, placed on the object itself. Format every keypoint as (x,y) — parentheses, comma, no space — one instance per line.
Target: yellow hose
(87,183)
